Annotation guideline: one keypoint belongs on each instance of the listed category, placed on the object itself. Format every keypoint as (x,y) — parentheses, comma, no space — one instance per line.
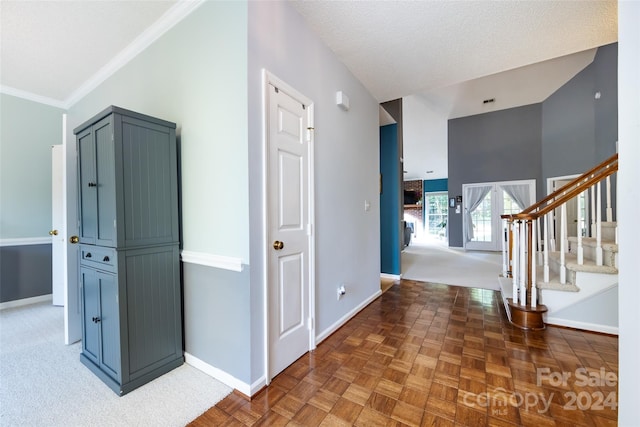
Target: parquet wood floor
(436,355)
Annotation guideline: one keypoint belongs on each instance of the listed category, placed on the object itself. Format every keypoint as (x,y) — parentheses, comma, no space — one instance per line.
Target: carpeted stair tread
(589,266)
(592,242)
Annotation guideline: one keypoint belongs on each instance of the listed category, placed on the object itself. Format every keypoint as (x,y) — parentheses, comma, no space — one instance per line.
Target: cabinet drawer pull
(93,184)
(105,259)
(88,255)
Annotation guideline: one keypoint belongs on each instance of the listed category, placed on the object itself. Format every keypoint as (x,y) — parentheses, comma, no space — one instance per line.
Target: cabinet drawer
(99,257)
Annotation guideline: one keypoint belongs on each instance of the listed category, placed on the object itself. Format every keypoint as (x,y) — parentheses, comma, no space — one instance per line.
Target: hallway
(435,262)
(426,354)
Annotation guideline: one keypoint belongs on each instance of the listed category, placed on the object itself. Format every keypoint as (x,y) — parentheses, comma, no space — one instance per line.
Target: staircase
(551,278)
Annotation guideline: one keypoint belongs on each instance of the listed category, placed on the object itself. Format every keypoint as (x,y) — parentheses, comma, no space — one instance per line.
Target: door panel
(109,324)
(106,184)
(291,293)
(91,310)
(288,216)
(87,187)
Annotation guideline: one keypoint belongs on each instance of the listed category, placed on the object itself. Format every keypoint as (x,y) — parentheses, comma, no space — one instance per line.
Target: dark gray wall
(25,271)
(578,130)
(498,146)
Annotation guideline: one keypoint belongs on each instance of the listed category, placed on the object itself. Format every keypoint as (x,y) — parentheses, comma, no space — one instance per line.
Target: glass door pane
(437,211)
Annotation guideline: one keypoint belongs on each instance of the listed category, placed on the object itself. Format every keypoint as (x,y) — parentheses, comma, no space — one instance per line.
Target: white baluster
(534,292)
(563,243)
(592,229)
(546,248)
(538,251)
(504,234)
(599,224)
(609,208)
(515,261)
(523,263)
(580,253)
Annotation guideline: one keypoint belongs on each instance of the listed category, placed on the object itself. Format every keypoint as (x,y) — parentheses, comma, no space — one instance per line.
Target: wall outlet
(341,291)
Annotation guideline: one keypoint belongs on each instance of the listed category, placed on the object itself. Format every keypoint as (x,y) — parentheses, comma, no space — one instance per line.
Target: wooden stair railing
(519,249)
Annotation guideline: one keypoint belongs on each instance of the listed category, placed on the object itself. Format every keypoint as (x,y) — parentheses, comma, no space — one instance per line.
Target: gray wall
(498,146)
(25,271)
(569,133)
(346,166)
(578,130)
(27,131)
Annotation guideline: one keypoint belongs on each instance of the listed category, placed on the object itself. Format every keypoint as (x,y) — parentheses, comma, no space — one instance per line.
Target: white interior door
(288,229)
(58,229)
(72,314)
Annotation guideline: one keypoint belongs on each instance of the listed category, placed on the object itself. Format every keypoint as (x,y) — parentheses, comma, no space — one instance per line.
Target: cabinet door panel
(106,183)
(90,311)
(149,185)
(87,187)
(110,324)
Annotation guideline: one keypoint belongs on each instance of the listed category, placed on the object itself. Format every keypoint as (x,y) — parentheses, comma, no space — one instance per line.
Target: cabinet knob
(88,255)
(93,184)
(105,259)
(95,319)
(74,239)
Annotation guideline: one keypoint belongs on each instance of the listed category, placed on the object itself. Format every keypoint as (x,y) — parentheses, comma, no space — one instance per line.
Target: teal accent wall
(27,131)
(389,200)
(435,185)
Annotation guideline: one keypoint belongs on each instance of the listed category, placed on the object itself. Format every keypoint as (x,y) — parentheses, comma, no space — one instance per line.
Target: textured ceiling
(399,48)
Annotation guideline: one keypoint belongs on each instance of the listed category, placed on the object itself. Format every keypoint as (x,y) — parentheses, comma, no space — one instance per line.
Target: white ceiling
(453,53)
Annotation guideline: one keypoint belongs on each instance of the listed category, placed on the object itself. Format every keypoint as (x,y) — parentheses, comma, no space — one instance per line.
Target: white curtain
(519,193)
(474,196)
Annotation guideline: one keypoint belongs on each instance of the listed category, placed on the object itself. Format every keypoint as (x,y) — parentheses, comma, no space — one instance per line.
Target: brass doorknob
(53,233)
(277,245)
(74,239)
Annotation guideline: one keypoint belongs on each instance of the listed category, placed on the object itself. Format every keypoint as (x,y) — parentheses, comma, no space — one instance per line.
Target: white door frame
(270,79)
(496,186)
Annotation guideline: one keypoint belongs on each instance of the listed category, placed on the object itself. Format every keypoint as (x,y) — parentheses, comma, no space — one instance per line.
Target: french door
(484,203)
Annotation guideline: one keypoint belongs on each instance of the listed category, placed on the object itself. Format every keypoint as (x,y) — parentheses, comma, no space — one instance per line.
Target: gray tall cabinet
(129,258)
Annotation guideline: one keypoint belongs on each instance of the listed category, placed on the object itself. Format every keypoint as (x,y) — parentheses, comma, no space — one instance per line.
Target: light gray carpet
(43,383)
(435,262)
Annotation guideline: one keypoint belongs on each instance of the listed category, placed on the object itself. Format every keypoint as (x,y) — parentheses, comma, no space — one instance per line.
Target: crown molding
(167,21)
(18,93)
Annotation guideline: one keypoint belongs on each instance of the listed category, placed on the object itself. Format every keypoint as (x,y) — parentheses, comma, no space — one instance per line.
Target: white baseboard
(390,276)
(225,378)
(613,330)
(344,319)
(26,301)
